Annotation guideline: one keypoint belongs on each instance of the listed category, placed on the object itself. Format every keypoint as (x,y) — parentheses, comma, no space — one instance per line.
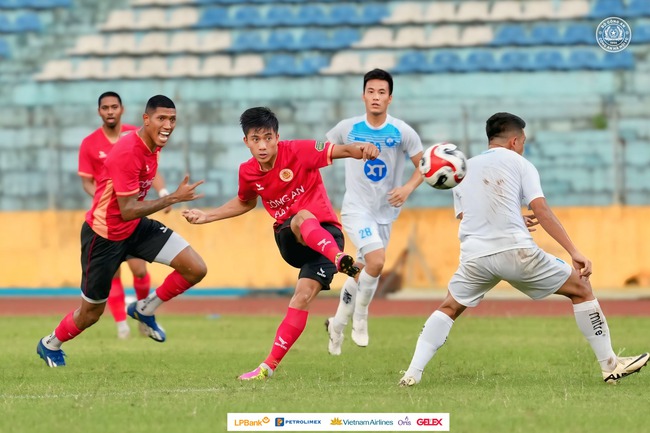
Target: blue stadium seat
(309,14)
(248,41)
(372,14)
(516,61)
(480,60)
(342,38)
(342,14)
(28,22)
(641,33)
(4,49)
(8,4)
(314,39)
(6,26)
(584,59)
(607,8)
(281,40)
(280,64)
(280,15)
(621,60)
(637,8)
(445,61)
(246,16)
(214,17)
(549,60)
(410,62)
(545,34)
(511,35)
(311,65)
(577,34)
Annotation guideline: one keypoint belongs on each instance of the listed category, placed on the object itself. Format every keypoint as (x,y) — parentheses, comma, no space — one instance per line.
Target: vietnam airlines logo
(336,421)
(286,174)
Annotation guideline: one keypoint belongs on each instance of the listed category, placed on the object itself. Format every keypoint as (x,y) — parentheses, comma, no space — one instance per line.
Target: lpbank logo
(251,422)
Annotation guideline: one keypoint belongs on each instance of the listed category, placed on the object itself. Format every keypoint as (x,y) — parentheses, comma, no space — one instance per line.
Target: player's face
(263,144)
(159,124)
(376,97)
(110,110)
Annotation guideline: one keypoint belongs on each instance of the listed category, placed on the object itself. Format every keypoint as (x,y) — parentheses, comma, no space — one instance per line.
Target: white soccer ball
(443,166)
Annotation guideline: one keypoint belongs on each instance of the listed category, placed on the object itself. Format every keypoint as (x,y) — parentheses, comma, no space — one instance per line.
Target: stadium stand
(455,63)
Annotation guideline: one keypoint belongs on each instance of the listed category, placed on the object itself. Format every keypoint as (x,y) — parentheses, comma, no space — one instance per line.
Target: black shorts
(312,264)
(100,257)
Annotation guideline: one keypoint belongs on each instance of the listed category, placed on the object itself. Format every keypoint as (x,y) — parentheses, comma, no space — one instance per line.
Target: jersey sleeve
(311,153)
(85,161)
(530,183)
(411,141)
(245,192)
(124,170)
(338,134)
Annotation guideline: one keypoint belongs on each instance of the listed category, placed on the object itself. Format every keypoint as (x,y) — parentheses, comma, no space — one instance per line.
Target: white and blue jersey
(367,183)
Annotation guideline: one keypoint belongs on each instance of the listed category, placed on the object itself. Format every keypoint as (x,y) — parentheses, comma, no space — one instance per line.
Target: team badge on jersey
(286,174)
(320,145)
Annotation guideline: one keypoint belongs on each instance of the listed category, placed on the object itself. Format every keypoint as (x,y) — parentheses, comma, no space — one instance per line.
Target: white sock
(367,288)
(346,305)
(51,342)
(592,323)
(122,326)
(433,335)
(148,305)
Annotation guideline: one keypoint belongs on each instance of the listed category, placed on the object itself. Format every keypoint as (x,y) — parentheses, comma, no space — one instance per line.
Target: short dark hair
(107,95)
(501,124)
(159,101)
(258,118)
(379,74)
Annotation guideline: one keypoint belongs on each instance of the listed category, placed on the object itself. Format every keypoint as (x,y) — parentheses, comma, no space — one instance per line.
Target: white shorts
(365,233)
(532,271)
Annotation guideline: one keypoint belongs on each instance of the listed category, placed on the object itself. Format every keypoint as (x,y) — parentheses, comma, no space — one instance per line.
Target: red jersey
(129,169)
(94,149)
(294,183)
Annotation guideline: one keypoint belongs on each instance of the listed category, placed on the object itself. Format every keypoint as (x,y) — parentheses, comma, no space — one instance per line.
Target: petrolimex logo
(279,422)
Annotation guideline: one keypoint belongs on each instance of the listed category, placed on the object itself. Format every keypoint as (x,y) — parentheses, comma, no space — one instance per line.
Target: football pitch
(517,374)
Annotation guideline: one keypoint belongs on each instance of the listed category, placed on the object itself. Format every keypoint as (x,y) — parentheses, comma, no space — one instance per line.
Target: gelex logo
(336,421)
(430,421)
(279,422)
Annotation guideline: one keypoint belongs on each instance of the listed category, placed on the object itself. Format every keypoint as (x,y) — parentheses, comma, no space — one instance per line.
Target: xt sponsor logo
(375,170)
(429,421)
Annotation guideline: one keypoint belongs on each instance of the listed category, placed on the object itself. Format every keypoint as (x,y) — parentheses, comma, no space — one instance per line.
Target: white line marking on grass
(110,394)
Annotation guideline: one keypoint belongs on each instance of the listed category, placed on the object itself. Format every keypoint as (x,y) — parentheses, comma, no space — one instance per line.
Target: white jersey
(498,182)
(367,182)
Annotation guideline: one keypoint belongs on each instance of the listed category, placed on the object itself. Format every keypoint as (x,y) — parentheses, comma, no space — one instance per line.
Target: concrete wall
(41,249)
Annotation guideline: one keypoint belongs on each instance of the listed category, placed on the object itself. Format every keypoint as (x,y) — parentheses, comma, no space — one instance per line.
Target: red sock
(319,239)
(67,330)
(173,286)
(288,332)
(116,300)
(142,286)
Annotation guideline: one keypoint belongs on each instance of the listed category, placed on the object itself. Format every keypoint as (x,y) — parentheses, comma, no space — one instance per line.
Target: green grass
(493,375)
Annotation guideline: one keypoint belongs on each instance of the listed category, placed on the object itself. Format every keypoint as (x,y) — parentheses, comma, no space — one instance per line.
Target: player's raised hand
(194,216)
(186,191)
(370,151)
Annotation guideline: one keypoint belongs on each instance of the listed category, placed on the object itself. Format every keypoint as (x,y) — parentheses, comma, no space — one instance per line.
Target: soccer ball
(443,166)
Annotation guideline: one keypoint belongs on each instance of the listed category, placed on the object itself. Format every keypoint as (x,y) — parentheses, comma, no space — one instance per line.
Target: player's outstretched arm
(355,150)
(131,208)
(551,224)
(231,208)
